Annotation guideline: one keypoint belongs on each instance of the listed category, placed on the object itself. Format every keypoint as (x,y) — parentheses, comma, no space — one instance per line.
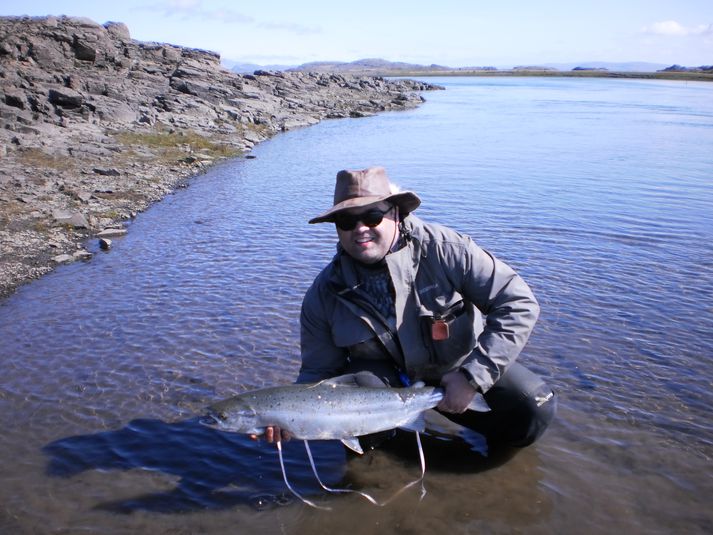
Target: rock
(83,51)
(106,172)
(112,232)
(65,97)
(104,244)
(82,255)
(118,30)
(79,221)
(60,259)
(74,219)
(84,108)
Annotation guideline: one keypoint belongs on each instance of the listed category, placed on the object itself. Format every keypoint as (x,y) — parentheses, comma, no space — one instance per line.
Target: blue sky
(448,32)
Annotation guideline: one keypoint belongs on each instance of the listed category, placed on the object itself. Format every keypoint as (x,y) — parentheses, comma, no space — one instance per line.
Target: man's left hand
(459,393)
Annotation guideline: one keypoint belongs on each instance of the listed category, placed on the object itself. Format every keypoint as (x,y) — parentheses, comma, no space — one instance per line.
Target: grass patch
(175,145)
(41,226)
(109,214)
(37,158)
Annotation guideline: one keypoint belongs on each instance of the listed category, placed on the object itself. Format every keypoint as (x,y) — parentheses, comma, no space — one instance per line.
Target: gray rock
(84,108)
(62,258)
(118,30)
(74,219)
(106,171)
(111,232)
(79,221)
(82,255)
(65,97)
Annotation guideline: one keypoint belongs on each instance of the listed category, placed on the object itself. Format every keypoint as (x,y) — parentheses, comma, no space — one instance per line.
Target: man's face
(369,244)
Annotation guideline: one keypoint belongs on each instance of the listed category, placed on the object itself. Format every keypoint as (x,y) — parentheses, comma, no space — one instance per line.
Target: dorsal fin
(359,379)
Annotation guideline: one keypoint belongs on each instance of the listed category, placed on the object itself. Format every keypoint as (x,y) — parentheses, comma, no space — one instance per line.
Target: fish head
(234,414)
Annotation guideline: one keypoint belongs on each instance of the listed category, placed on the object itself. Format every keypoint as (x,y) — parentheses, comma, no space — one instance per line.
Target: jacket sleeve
(509,307)
(321,358)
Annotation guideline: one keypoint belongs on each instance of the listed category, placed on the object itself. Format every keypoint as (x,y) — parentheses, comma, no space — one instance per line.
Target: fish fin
(417,425)
(479,404)
(418,384)
(363,379)
(353,444)
(369,379)
(341,380)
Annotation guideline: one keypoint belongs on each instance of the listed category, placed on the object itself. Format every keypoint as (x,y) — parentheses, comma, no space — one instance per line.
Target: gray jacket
(438,275)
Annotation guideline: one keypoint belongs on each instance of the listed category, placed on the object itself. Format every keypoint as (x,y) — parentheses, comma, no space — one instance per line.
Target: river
(599,192)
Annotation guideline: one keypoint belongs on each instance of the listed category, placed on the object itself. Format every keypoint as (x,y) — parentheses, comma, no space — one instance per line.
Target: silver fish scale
(328,411)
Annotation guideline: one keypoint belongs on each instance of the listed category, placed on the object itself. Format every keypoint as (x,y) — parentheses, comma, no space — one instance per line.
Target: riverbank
(662,75)
(95,127)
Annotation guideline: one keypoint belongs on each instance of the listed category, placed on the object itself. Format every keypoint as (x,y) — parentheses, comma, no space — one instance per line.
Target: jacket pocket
(450,334)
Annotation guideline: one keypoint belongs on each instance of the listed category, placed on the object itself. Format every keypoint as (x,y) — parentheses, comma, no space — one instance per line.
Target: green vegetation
(173,145)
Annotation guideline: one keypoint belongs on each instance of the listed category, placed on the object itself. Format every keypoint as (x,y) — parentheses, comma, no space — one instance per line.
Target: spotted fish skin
(338,408)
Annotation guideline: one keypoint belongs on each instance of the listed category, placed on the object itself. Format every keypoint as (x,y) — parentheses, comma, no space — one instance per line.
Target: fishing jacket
(440,277)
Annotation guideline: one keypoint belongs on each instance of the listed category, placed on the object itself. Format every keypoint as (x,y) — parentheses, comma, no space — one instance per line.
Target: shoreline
(95,127)
(680,76)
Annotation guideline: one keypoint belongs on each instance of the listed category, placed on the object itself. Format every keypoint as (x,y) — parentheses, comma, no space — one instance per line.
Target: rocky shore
(95,126)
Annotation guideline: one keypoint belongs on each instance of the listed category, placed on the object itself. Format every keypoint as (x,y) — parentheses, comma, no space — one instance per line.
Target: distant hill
(679,68)
(366,65)
(246,68)
(378,66)
(630,66)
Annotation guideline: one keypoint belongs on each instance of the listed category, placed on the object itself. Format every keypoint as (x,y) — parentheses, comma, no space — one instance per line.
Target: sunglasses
(371,219)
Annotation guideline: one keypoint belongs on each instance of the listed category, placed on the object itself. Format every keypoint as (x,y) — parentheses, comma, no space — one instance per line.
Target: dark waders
(521,403)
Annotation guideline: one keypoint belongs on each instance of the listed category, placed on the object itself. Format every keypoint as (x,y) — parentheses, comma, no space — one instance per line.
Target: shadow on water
(218,470)
(449,455)
(215,470)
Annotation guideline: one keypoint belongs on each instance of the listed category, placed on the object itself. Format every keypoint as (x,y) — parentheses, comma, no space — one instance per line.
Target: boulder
(65,97)
(118,30)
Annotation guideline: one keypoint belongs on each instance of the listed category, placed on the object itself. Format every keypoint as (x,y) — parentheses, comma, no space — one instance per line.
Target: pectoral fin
(353,444)
(417,425)
(479,404)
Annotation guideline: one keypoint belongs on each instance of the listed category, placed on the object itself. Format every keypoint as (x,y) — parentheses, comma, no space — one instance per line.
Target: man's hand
(274,434)
(459,393)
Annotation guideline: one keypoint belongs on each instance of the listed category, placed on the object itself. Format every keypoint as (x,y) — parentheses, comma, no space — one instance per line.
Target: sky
(456,33)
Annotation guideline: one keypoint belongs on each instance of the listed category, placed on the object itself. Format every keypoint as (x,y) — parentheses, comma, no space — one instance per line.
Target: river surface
(599,192)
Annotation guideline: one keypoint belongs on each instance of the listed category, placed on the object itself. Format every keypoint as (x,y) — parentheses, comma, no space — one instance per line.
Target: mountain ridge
(380,66)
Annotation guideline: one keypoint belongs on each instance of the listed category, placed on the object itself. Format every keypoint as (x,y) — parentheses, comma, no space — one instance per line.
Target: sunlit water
(599,192)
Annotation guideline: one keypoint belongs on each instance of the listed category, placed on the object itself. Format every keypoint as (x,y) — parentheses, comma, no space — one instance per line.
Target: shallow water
(599,192)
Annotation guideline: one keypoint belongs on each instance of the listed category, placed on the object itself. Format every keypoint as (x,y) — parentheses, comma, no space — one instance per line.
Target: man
(409,301)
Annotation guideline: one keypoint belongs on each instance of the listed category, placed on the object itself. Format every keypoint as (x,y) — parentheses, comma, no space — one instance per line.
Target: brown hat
(362,188)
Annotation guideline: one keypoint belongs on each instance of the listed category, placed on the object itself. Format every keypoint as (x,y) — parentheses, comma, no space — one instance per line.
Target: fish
(341,408)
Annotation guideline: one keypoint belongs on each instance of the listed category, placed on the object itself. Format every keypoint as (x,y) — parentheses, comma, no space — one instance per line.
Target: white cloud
(183,4)
(299,29)
(674,28)
(197,10)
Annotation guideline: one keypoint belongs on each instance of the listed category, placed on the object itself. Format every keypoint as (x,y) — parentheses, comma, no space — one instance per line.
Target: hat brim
(407,201)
